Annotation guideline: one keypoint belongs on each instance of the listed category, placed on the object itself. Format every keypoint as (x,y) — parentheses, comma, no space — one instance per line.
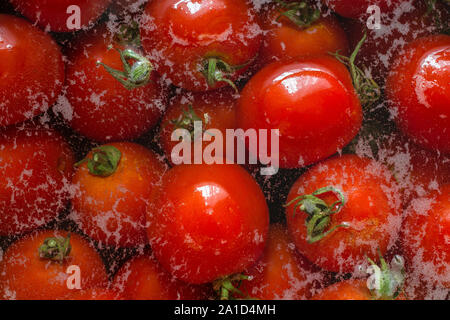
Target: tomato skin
(103,109)
(36,166)
(32,70)
(358,8)
(418,89)
(94,294)
(281,273)
(112,209)
(315,92)
(345,290)
(372,211)
(25,276)
(226,29)
(201,227)
(142,278)
(53,14)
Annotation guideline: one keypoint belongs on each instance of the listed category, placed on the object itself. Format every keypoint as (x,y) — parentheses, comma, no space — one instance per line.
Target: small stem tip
(227,288)
(216,70)
(104,161)
(56,249)
(300,13)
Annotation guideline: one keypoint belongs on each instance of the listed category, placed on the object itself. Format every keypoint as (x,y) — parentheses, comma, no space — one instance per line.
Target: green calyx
(104,161)
(300,13)
(216,70)
(319,212)
(227,288)
(368,90)
(389,280)
(187,118)
(134,75)
(55,249)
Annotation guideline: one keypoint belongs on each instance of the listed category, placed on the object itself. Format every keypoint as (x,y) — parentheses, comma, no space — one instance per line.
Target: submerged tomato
(358,8)
(31,69)
(345,290)
(202,227)
(311,101)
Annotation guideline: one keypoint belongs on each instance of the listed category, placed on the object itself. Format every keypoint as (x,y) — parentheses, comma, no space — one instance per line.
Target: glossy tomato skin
(101,108)
(311,101)
(112,209)
(281,273)
(216,109)
(32,70)
(26,276)
(418,89)
(372,212)
(201,227)
(36,166)
(142,278)
(179,36)
(52,14)
(358,8)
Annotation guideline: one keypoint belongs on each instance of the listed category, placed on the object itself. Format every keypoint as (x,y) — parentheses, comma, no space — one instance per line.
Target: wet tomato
(201,227)
(345,290)
(94,294)
(358,8)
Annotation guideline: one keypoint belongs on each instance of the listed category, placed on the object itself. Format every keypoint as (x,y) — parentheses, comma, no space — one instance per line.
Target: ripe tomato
(281,273)
(94,294)
(311,101)
(345,290)
(425,234)
(36,166)
(358,213)
(26,273)
(32,70)
(92,92)
(216,109)
(286,38)
(54,16)
(110,205)
(142,278)
(418,88)
(358,8)
(203,44)
(201,227)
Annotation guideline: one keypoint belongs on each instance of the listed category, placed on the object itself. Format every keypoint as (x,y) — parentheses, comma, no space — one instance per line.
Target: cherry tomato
(36,166)
(215,109)
(31,68)
(201,227)
(110,205)
(94,294)
(142,278)
(56,15)
(345,290)
(343,210)
(36,266)
(281,273)
(101,108)
(311,101)
(358,8)
(418,88)
(203,44)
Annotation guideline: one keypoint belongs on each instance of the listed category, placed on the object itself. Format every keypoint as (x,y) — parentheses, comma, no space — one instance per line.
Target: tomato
(30,274)
(357,213)
(418,89)
(142,278)
(186,38)
(94,294)
(54,15)
(36,166)
(216,109)
(100,107)
(281,273)
(128,7)
(110,205)
(345,290)
(358,8)
(425,234)
(311,101)
(32,70)
(202,227)
(286,38)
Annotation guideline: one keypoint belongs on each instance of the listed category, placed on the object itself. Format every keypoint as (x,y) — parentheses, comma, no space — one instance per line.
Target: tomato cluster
(94,206)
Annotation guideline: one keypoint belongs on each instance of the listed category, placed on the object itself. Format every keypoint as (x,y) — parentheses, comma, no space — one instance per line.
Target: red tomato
(111,209)
(358,8)
(92,92)
(418,88)
(345,290)
(216,109)
(194,34)
(25,275)
(369,210)
(202,227)
(32,70)
(311,101)
(36,166)
(94,294)
(54,15)
(142,278)
(281,273)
